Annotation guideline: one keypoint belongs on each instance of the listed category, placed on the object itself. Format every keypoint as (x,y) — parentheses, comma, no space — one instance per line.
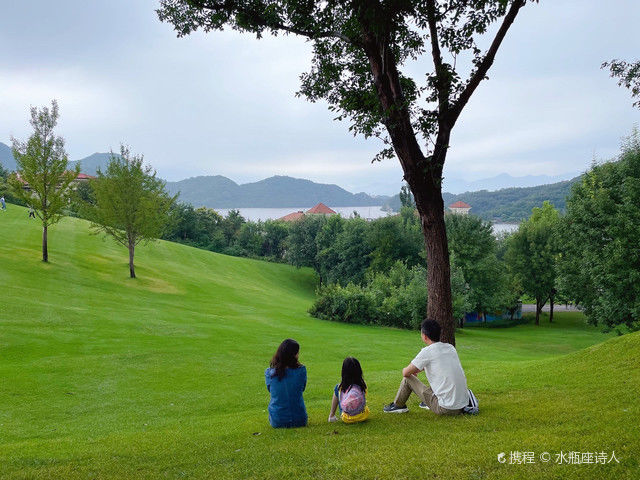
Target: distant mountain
(503,180)
(88,165)
(204,190)
(507,204)
(503,204)
(6,157)
(274,192)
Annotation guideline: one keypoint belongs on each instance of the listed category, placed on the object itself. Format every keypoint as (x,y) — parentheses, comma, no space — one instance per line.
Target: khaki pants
(424,393)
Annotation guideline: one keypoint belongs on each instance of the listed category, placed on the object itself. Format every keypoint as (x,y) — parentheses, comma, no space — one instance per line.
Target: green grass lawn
(162,376)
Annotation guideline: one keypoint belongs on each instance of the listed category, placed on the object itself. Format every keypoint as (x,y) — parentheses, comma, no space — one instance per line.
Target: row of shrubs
(396,299)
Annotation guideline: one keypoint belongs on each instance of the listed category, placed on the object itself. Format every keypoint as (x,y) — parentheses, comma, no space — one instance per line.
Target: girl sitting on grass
(286,379)
(350,395)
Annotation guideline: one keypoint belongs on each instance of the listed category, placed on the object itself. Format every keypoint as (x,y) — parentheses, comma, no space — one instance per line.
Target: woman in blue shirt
(286,379)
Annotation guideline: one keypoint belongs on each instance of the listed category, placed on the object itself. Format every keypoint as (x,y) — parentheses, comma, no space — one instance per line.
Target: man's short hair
(431,329)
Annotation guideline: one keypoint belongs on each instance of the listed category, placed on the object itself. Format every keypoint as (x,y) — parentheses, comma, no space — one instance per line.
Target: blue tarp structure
(478,317)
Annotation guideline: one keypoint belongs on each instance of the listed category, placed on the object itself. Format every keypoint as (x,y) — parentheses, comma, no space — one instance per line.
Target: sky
(224,103)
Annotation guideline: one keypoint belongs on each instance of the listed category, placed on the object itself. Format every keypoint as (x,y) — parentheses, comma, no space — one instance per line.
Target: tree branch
(487,61)
(443,97)
(226,6)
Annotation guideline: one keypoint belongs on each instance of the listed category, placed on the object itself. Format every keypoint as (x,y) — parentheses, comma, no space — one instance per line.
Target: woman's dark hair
(285,357)
(351,375)
(431,329)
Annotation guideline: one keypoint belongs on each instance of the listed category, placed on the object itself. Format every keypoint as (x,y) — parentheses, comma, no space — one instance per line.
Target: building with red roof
(83,177)
(321,209)
(292,217)
(460,208)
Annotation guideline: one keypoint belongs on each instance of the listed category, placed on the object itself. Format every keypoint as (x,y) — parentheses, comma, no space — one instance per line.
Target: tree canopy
(41,180)
(474,248)
(131,204)
(628,75)
(532,255)
(601,256)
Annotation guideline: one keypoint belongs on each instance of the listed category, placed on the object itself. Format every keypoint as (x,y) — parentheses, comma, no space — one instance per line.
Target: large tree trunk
(551,308)
(538,310)
(45,249)
(132,270)
(439,303)
(424,176)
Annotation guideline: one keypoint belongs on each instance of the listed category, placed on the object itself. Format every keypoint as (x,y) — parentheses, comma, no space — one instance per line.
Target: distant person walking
(286,379)
(447,393)
(32,213)
(350,395)
(4,205)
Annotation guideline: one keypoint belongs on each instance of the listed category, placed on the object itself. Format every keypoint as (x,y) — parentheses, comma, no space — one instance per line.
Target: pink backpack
(353,401)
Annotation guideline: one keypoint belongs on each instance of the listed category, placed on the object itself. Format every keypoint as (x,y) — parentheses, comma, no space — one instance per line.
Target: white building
(460,208)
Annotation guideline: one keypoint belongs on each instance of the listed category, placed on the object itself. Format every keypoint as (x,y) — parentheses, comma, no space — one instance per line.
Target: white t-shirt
(441,364)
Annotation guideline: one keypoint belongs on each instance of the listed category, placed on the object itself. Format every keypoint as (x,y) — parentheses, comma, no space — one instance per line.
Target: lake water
(504,227)
(370,213)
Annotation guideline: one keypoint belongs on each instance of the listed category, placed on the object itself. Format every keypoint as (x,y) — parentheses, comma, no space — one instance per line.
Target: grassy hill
(162,377)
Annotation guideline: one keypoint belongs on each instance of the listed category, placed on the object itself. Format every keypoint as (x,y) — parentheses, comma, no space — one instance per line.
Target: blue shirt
(286,408)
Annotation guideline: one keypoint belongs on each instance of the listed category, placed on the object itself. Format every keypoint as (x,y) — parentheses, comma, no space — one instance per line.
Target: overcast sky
(223,103)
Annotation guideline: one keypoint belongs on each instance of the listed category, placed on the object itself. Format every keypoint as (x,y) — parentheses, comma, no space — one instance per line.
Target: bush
(350,304)
(396,299)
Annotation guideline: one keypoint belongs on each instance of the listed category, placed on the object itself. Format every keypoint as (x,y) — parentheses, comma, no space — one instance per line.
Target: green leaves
(41,180)
(473,250)
(131,204)
(628,75)
(601,256)
(533,252)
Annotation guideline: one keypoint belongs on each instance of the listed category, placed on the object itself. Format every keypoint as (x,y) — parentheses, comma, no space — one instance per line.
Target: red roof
(81,176)
(321,208)
(84,176)
(459,204)
(292,217)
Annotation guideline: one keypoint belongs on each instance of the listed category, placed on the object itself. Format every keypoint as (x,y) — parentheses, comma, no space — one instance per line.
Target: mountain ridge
(507,204)
(278,191)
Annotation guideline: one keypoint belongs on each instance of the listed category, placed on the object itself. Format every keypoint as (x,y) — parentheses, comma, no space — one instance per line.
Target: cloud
(223,103)
(85,101)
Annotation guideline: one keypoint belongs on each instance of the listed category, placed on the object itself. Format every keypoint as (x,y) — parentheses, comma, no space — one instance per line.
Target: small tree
(353,251)
(302,249)
(275,236)
(327,256)
(42,180)
(208,231)
(392,239)
(132,205)
(532,256)
(406,197)
(474,246)
(231,226)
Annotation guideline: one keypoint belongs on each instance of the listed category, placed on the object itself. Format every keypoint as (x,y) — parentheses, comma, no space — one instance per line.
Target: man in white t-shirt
(447,393)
